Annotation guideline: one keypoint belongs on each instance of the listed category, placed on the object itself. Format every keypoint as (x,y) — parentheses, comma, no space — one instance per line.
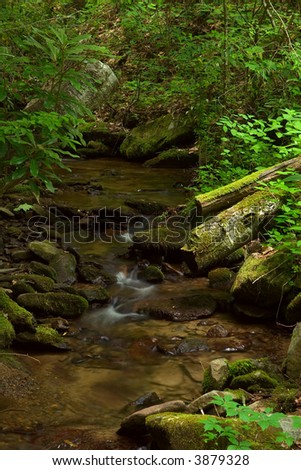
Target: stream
(78,398)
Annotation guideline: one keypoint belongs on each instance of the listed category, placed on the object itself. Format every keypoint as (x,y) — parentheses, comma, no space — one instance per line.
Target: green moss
(38,283)
(285,399)
(43,336)
(54,304)
(21,287)
(44,250)
(208,383)
(17,315)
(242,367)
(179,431)
(7,332)
(254,381)
(173,158)
(293,310)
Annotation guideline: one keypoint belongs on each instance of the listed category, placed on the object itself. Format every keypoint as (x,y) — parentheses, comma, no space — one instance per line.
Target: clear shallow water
(115,356)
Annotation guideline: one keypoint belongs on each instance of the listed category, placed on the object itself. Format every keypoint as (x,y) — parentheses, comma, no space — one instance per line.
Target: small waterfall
(130,289)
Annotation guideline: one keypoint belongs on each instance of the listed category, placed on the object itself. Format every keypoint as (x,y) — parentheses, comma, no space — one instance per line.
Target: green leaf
(3,93)
(23,207)
(34,168)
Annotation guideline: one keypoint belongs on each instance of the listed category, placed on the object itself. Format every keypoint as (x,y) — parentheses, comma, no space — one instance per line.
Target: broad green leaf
(34,168)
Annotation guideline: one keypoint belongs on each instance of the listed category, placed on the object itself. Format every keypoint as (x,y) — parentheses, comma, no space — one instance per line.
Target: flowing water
(117,354)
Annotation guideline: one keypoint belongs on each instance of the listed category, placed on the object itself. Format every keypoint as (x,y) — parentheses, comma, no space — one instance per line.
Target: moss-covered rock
(147,139)
(44,250)
(21,287)
(242,367)
(166,241)
(173,158)
(146,207)
(293,310)
(54,304)
(99,131)
(221,278)
(254,381)
(153,274)
(96,149)
(37,282)
(292,363)
(95,294)
(42,269)
(217,375)
(7,332)
(178,431)
(263,279)
(43,337)
(17,315)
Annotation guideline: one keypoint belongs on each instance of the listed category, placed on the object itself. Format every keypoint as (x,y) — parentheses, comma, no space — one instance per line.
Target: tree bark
(221,198)
(219,236)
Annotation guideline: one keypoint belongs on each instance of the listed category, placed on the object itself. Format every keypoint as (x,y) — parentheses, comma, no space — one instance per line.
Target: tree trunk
(219,236)
(221,198)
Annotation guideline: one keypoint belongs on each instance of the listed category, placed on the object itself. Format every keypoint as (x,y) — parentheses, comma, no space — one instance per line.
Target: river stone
(217,375)
(147,400)
(64,264)
(204,402)
(153,274)
(190,345)
(263,279)
(94,294)
(221,278)
(180,308)
(292,362)
(43,338)
(217,331)
(173,158)
(7,332)
(44,250)
(147,139)
(42,269)
(134,424)
(19,254)
(54,304)
(293,310)
(37,282)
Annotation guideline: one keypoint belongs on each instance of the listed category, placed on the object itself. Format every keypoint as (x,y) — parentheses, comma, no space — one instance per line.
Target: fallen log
(219,236)
(226,196)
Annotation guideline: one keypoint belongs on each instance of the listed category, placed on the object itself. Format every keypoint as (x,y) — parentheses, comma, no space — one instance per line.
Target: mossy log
(226,196)
(219,236)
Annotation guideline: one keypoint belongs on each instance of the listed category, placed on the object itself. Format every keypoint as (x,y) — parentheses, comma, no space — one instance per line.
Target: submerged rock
(54,304)
(145,140)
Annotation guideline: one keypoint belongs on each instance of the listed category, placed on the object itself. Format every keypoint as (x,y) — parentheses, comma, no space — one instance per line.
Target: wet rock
(37,282)
(221,278)
(217,331)
(19,254)
(54,304)
(44,250)
(190,345)
(293,310)
(94,294)
(64,264)
(162,241)
(94,273)
(292,363)
(231,344)
(134,424)
(7,332)
(180,308)
(95,149)
(253,311)
(43,338)
(146,207)
(217,375)
(43,270)
(263,279)
(145,140)
(58,323)
(147,400)
(17,315)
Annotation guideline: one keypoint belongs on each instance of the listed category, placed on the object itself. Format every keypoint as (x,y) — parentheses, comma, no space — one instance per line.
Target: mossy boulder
(221,278)
(94,294)
(95,149)
(43,337)
(254,381)
(217,375)
(147,139)
(153,274)
(292,362)
(173,158)
(44,250)
(21,287)
(43,270)
(19,317)
(98,131)
(64,264)
(54,304)
(293,310)
(7,332)
(165,241)
(178,431)
(263,279)
(35,281)
(146,207)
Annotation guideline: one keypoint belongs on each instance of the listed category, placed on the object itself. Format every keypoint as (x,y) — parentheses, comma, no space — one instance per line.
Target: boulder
(64,264)
(292,363)
(221,278)
(153,274)
(42,269)
(54,304)
(173,158)
(34,281)
(44,250)
(146,140)
(43,338)
(217,375)
(94,293)
(263,279)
